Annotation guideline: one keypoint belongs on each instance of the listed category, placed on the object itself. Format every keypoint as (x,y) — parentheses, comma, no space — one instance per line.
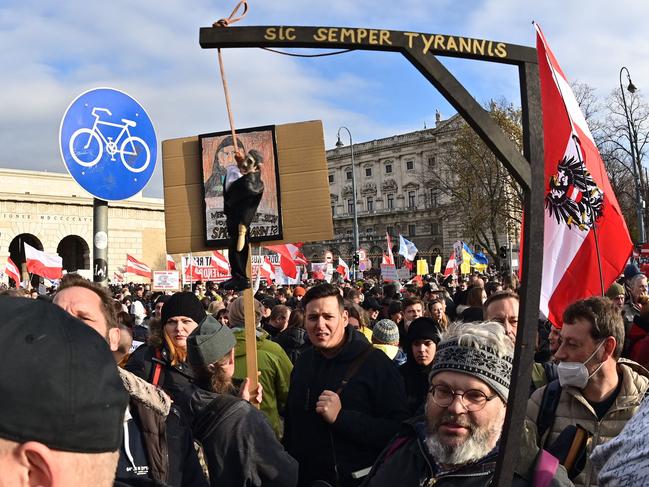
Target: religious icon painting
(217,153)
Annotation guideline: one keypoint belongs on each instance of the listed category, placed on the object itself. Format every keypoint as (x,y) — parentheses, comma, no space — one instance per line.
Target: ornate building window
(410,165)
(368,172)
(412,230)
(388,168)
(348,173)
(411,199)
(350,206)
(331,178)
(370,205)
(390,202)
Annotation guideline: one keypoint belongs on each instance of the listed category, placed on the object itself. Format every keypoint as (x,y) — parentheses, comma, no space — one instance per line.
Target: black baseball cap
(59,383)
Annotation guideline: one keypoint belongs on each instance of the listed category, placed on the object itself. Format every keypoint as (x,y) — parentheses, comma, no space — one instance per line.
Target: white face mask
(575,373)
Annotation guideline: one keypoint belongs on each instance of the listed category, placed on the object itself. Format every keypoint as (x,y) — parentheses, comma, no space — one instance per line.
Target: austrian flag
(136,267)
(12,271)
(582,212)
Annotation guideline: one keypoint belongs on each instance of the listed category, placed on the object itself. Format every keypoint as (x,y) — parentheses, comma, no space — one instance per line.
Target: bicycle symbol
(88,151)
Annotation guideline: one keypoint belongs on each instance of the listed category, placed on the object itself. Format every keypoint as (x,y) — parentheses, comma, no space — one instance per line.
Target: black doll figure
(242,192)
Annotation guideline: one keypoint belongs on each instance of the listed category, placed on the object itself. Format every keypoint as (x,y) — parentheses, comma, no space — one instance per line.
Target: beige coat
(574,409)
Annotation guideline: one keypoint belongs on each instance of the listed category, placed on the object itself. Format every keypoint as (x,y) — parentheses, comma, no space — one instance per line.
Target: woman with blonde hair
(163,363)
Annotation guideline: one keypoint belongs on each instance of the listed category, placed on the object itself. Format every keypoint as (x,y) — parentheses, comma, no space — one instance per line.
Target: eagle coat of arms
(574,197)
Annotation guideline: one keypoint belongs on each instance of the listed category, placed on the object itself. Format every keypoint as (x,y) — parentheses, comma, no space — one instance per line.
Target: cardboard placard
(304,188)
(165,281)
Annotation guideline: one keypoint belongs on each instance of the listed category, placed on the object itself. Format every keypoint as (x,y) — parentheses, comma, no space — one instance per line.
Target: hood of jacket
(355,343)
(147,394)
(292,338)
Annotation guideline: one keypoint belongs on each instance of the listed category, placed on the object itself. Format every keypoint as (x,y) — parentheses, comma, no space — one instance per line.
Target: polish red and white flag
(451,265)
(343,269)
(582,212)
(220,262)
(12,271)
(42,264)
(171,263)
(138,268)
(267,270)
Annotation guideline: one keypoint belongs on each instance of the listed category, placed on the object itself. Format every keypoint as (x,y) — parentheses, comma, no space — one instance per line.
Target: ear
(113,339)
(345,317)
(609,348)
(231,361)
(43,469)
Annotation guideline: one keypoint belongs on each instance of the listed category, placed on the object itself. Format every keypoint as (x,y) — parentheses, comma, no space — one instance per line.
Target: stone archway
(75,253)
(17,253)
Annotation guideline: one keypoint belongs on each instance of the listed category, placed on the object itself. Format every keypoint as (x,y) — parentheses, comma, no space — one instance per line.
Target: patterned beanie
(477,360)
(385,332)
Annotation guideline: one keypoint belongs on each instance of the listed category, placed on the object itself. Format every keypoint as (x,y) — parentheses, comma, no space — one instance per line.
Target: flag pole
(575,139)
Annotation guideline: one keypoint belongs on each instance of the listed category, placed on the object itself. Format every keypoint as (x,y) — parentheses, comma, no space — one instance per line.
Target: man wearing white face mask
(598,391)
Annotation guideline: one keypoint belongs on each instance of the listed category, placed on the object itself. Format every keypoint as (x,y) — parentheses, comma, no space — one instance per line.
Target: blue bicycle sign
(99,126)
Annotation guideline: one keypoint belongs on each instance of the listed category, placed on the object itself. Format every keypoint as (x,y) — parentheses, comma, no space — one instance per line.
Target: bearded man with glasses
(456,441)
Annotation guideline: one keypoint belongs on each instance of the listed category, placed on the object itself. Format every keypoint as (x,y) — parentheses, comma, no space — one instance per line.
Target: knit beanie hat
(631,270)
(210,342)
(473,357)
(385,331)
(183,304)
(423,328)
(299,291)
(615,290)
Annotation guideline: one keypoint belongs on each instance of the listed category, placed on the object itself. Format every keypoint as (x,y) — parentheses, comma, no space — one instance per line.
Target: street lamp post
(639,210)
(339,144)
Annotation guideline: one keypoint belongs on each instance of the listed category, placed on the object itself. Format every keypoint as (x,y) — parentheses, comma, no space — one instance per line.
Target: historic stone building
(51,212)
(393,195)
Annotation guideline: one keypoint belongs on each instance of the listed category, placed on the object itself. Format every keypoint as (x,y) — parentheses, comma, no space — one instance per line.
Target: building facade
(51,212)
(392,196)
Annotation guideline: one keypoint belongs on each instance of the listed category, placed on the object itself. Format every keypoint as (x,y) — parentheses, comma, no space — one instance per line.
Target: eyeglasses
(472,400)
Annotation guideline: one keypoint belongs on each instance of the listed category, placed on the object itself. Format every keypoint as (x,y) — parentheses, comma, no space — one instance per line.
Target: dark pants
(238,260)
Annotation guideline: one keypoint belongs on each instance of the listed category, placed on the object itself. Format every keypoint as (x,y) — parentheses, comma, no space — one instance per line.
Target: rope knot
(232,19)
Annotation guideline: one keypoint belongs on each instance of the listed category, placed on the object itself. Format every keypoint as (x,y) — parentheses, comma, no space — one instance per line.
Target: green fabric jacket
(275,368)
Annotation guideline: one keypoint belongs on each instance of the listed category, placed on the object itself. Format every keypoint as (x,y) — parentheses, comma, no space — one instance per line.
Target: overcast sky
(53,51)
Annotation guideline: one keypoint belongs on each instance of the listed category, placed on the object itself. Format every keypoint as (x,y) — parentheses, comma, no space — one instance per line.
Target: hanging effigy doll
(243,189)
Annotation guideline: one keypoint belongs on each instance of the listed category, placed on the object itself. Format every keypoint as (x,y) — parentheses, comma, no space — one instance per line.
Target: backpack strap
(354,367)
(157,368)
(549,403)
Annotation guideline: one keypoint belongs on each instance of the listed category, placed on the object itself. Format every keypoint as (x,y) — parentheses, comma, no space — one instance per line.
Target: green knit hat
(210,342)
(615,290)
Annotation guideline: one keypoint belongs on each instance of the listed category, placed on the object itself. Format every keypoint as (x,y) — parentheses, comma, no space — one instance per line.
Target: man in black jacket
(346,398)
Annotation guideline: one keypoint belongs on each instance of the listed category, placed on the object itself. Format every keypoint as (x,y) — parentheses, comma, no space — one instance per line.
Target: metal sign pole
(100,241)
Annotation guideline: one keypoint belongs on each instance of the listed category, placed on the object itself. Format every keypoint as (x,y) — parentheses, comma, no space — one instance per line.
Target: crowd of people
(362,383)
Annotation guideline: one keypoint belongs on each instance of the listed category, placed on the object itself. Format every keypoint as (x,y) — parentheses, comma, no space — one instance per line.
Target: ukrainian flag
(477,260)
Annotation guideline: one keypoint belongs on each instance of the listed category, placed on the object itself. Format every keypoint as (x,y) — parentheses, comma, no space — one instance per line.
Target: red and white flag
(578,196)
(390,257)
(136,267)
(12,271)
(343,269)
(295,250)
(118,277)
(267,270)
(451,265)
(220,262)
(171,263)
(42,264)
(286,259)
